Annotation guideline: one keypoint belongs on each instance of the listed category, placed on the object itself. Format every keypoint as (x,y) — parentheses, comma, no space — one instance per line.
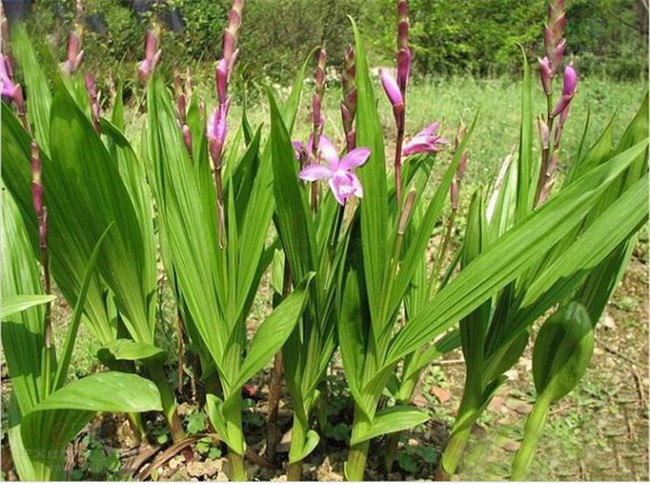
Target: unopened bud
(544,133)
(403,69)
(406,211)
(546,75)
(453,194)
(187,138)
(222,80)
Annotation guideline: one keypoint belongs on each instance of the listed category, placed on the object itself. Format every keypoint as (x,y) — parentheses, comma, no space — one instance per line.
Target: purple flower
(338,172)
(427,141)
(8,86)
(392,89)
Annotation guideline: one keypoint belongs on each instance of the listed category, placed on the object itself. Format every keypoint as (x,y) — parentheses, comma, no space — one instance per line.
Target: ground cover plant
(381,256)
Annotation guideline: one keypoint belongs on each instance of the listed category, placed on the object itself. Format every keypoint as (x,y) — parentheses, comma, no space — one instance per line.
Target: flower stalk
(94,97)
(217,123)
(317,120)
(41,215)
(554,46)
(349,103)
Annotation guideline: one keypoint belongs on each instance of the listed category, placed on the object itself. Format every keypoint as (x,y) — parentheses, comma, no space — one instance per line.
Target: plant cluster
(101,216)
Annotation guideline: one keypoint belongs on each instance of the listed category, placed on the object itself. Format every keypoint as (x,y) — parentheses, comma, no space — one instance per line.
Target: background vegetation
(608,38)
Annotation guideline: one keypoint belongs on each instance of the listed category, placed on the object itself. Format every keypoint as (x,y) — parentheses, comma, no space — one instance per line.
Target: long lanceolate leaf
(100,196)
(52,423)
(374,209)
(511,255)
(68,249)
(22,332)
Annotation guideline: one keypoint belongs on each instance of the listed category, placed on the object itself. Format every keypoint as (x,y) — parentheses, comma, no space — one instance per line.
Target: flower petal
(328,151)
(355,158)
(335,191)
(315,172)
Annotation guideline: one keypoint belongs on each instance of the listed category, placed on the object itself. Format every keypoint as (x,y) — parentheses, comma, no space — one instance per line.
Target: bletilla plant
(351,257)
(213,230)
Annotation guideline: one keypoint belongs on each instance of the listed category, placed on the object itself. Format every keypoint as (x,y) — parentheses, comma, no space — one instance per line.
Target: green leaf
(374,205)
(510,256)
(294,218)
(52,423)
(310,445)
(274,331)
(19,303)
(36,86)
(91,183)
(68,346)
(125,349)
(391,420)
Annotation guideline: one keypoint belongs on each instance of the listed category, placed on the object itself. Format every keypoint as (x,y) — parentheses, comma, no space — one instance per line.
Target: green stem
(391,449)
(298,438)
(532,433)
(294,472)
(355,467)
(168,400)
(467,416)
(237,470)
(356,464)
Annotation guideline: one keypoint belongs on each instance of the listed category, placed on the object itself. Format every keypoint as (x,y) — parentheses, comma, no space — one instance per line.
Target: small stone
(222,477)
(212,467)
(175,462)
(608,322)
(511,446)
(523,408)
(420,401)
(412,442)
(285,443)
(196,469)
(512,375)
(442,395)
(496,405)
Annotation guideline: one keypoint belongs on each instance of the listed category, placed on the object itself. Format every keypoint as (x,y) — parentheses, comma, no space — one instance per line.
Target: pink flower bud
(187,138)
(544,133)
(75,54)
(568,91)
(453,194)
(570,80)
(545,75)
(228,45)
(222,80)
(549,43)
(391,88)
(558,54)
(216,133)
(403,69)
